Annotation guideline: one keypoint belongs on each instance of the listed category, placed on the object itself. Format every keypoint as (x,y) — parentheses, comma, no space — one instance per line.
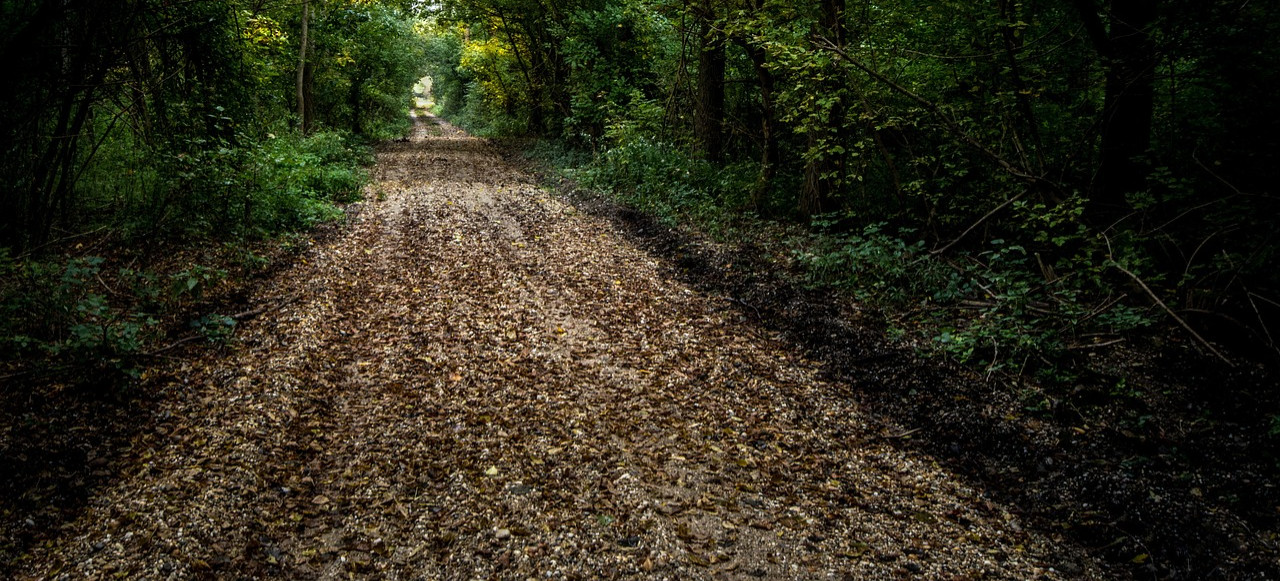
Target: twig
(977,223)
(745,304)
(900,434)
(105,285)
(1083,346)
(173,345)
(1175,316)
(937,111)
(1271,342)
(1263,299)
(4,378)
(1102,308)
(59,241)
(271,307)
(1214,174)
(237,317)
(1046,270)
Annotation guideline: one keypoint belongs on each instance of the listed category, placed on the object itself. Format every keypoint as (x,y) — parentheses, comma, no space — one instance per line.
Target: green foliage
(70,315)
(371,56)
(608,51)
(298,180)
(874,265)
(450,82)
(998,308)
(191,283)
(917,124)
(59,310)
(652,175)
(228,188)
(166,120)
(215,328)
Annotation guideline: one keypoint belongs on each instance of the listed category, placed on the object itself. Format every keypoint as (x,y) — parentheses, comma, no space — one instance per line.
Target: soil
(479,377)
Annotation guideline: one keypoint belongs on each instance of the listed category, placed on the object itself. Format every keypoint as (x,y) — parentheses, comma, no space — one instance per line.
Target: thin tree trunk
(821,171)
(1013,41)
(303,108)
(535,110)
(355,102)
(768,132)
(63,189)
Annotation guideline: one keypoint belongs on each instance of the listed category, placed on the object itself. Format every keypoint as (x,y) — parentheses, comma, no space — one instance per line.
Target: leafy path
(474,380)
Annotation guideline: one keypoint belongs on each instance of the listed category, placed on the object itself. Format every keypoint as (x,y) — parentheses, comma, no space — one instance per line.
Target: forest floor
(475,378)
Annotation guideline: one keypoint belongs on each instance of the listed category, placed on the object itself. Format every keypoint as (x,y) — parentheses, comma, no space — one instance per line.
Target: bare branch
(1175,316)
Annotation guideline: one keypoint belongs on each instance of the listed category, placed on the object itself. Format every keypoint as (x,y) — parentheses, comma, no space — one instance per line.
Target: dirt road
(475,380)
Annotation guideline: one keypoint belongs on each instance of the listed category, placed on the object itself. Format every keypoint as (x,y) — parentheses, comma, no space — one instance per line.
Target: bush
(226,188)
(662,179)
(301,179)
(57,310)
(998,306)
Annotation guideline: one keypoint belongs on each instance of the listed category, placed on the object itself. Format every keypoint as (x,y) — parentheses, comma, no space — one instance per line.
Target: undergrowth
(993,304)
(246,187)
(73,310)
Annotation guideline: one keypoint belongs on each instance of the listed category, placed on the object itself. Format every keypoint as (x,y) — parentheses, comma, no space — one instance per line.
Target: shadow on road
(1082,463)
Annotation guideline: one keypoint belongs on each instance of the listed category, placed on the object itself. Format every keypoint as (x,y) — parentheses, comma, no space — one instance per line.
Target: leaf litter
(477,381)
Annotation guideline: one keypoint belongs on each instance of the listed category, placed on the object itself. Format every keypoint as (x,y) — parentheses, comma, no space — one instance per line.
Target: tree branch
(1175,316)
(937,111)
(977,223)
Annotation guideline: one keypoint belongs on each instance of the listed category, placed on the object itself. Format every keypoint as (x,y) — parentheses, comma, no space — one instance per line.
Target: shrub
(57,309)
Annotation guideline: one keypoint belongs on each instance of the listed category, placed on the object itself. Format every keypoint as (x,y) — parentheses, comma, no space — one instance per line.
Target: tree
(304,72)
(709,113)
(824,165)
(1129,56)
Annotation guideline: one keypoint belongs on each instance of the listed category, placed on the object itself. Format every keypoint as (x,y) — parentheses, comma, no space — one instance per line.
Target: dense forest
(1065,171)
(1024,178)
(159,126)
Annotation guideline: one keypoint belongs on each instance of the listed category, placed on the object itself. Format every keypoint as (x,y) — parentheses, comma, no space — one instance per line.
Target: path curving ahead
(475,381)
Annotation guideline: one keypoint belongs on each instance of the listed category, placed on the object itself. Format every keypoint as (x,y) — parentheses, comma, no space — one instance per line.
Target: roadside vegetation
(1032,178)
(159,154)
(1039,237)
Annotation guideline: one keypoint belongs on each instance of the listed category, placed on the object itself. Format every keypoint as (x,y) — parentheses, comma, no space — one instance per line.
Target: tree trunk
(709,115)
(304,121)
(768,132)
(1013,43)
(355,101)
(1128,106)
(821,172)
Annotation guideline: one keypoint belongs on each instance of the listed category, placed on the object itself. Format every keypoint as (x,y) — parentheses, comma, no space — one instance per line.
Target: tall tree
(1125,44)
(304,72)
(824,167)
(709,113)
